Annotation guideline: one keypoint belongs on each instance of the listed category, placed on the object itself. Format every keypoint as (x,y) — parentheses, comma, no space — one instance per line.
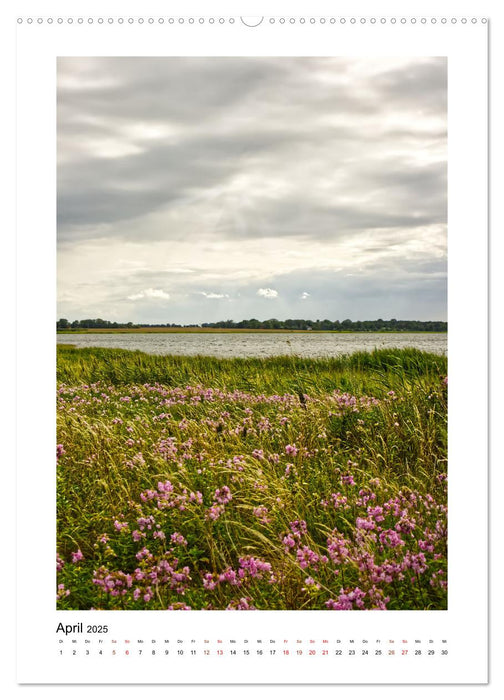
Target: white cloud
(214,295)
(267,293)
(304,295)
(149,294)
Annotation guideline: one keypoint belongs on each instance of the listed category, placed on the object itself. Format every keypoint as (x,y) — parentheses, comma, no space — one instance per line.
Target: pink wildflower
(120,526)
(307,557)
(62,591)
(391,538)
(261,513)
(214,512)
(254,567)
(365,523)
(230,576)
(223,495)
(209,582)
(143,554)
(177,538)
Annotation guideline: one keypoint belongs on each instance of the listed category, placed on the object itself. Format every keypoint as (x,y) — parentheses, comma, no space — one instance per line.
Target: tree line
(289,324)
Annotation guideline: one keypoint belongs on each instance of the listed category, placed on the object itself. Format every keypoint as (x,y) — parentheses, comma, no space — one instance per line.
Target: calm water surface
(258,344)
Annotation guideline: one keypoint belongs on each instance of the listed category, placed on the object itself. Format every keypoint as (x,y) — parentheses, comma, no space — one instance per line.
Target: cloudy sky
(202,189)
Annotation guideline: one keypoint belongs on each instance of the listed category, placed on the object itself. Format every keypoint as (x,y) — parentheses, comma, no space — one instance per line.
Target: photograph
(252,333)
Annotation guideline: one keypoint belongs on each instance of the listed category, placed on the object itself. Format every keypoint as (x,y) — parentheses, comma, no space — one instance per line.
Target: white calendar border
(38,45)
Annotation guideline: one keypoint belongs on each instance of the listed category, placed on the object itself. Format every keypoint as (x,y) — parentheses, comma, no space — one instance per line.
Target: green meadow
(278,484)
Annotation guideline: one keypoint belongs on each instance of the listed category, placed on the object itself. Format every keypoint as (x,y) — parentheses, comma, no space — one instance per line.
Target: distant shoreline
(84,331)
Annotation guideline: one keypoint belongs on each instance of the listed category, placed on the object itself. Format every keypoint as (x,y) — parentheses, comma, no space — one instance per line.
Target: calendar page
(264,239)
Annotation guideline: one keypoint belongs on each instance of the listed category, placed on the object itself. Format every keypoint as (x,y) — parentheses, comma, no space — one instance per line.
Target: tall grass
(279,483)
(281,373)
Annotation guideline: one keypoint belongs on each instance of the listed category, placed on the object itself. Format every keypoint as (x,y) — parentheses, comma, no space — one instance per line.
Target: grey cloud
(406,197)
(236,115)
(187,90)
(209,150)
(117,189)
(422,85)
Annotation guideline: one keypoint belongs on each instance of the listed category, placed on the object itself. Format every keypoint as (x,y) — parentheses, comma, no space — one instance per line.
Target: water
(258,344)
